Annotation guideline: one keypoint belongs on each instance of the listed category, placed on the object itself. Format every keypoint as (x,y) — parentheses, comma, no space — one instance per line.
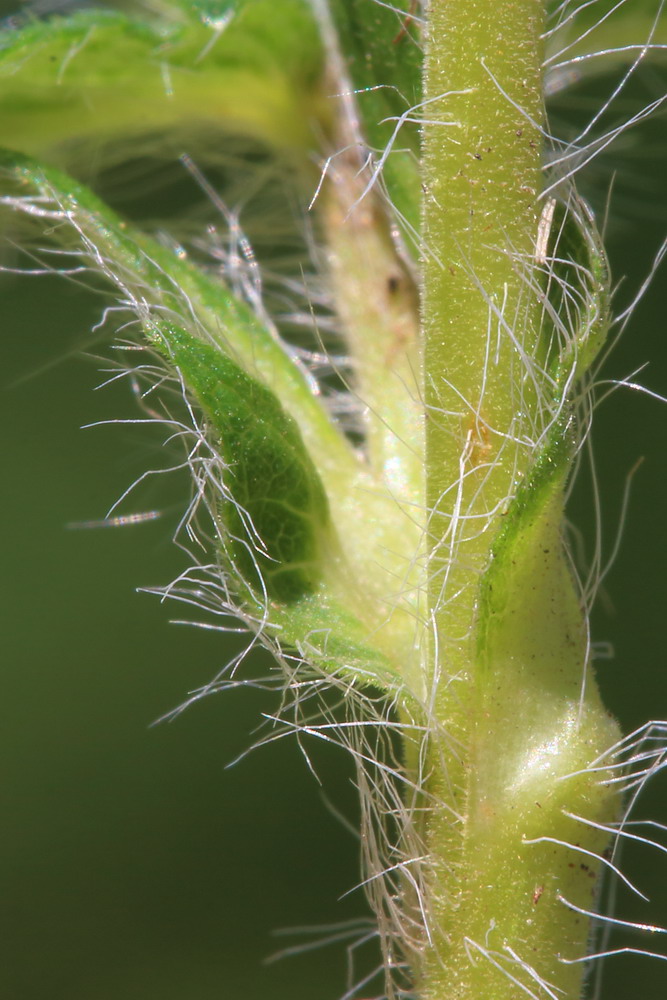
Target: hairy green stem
(516,710)
(482,175)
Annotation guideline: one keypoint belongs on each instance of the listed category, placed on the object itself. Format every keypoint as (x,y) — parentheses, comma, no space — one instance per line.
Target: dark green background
(132,864)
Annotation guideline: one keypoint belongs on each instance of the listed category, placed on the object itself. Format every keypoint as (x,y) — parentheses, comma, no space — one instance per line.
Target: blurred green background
(133,864)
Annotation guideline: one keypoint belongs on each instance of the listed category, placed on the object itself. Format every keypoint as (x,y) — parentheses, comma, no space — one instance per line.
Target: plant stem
(516,710)
(482,173)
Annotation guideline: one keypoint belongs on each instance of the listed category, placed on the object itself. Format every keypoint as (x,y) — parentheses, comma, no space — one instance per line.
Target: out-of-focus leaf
(100,75)
(381,45)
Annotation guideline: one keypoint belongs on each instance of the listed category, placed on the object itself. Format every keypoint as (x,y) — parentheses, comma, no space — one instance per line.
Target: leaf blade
(99,74)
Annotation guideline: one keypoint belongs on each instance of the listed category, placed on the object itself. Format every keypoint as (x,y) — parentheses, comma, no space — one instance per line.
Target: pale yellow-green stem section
(377,304)
(377,301)
(517,718)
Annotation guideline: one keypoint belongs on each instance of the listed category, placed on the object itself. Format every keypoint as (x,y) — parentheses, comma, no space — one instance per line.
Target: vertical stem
(482,172)
(512,726)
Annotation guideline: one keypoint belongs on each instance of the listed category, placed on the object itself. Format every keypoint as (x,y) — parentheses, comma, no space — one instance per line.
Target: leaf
(277,518)
(527,598)
(529,610)
(100,75)
(152,277)
(382,50)
(577,311)
(285,463)
(326,633)
(278,538)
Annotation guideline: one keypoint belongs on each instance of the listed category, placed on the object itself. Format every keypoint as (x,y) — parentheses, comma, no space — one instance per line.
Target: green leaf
(527,599)
(535,512)
(278,537)
(286,463)
(382,50)
(527,558)
(327,634)
(153,277)
(99,75)
(577,309)
(277,518)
